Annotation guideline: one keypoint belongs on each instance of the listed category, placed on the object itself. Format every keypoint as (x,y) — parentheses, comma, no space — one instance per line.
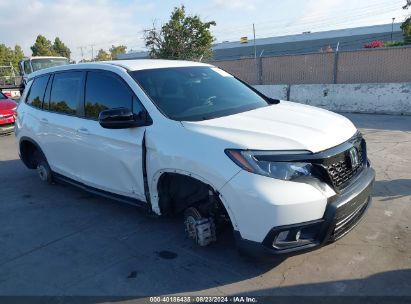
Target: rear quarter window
(35,96)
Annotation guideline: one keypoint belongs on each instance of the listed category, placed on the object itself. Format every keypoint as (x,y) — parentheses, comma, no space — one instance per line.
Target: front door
(110,159)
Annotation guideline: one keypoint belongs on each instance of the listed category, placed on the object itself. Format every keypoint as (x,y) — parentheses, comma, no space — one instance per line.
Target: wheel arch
(156,183)
(27,148)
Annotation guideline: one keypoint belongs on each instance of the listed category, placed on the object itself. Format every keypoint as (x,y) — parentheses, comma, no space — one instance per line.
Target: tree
(406,25)
(182,37)
(60,49)
(102,55)
(117,50)
(9,56)
(42,47)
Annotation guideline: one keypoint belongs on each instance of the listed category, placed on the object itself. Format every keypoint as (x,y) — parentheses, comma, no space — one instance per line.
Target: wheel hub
(200,229)
(42,172)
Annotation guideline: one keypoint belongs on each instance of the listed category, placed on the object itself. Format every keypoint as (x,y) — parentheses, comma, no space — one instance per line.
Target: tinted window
(39,64)
(36,94)
(65,92)
(197,93)
(27,68)
(105,91)
(2,96)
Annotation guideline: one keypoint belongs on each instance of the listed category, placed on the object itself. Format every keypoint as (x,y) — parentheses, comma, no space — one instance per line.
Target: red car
(7,114)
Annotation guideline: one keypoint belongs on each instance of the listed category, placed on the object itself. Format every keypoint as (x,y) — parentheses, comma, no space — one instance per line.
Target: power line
(319,22)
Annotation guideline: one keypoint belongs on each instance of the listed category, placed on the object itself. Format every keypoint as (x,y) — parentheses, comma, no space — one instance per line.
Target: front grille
(340,169)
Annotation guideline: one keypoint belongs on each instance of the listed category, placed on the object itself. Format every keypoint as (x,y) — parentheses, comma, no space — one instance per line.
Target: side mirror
(123,118)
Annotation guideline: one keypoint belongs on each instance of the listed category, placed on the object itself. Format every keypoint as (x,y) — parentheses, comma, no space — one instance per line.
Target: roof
(131,65)
(366,30)
(44,57)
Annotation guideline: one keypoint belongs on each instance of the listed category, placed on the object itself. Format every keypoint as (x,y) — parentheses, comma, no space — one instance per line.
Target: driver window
(105,91)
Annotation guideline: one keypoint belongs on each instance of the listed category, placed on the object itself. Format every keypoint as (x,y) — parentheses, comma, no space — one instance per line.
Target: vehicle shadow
(384,287)
(70,242)
(391,189)
(390,283)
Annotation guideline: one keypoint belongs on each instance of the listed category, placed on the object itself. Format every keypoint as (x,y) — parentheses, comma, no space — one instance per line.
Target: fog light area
(296,236)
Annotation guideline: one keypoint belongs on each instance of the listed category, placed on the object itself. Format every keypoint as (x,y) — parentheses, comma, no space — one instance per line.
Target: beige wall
(313,68)
(244,69)
(362,66)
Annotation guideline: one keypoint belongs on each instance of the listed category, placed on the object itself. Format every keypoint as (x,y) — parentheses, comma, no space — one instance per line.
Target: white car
(177,137)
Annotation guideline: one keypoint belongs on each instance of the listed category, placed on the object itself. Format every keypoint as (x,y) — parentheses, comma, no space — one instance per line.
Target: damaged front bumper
(343,212)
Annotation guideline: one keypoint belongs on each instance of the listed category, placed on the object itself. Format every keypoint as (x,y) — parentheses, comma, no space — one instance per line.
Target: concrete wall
(381,98)
(278,91)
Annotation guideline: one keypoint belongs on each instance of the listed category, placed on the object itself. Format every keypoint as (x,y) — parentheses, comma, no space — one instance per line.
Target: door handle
(44,120)
(83,131)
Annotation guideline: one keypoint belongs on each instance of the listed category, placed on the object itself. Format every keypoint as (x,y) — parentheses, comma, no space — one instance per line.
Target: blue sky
(101,23)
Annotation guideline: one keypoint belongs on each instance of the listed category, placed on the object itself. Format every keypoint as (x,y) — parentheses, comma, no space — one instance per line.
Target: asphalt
(58,240)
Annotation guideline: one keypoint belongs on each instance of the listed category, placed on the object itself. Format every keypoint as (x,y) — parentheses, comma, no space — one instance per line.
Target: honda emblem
(355,161)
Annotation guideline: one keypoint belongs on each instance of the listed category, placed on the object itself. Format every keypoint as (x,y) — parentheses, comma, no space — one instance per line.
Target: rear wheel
(43,168)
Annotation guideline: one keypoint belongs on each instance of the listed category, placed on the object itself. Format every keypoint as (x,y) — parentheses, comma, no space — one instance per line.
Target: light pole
(392,27)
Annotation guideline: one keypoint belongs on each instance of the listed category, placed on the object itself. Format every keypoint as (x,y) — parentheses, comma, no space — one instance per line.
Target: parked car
(178,137)
(7,114)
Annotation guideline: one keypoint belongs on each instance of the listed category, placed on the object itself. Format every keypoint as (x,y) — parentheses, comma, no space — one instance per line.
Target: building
(345,39)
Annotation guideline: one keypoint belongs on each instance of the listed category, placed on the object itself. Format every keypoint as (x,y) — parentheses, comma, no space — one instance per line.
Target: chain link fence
(362,66)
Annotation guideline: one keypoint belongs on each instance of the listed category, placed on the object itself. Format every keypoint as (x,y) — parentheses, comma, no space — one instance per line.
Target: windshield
(2,96)
(39,64)
(197,93)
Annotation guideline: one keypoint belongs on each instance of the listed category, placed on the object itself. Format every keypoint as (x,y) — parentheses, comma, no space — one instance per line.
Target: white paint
(358,258)
(373,98)
(373,236)
(388,213)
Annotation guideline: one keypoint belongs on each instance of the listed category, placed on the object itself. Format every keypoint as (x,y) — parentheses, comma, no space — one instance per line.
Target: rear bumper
(7,128)
(342,214)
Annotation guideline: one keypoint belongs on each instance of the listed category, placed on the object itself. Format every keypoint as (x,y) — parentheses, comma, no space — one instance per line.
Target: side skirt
(117,197)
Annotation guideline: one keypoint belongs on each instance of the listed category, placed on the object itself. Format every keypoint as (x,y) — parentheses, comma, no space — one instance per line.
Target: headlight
(284,170)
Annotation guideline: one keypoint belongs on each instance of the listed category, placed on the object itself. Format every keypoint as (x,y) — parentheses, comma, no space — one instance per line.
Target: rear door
(109,159)
(34,113)
(60,122)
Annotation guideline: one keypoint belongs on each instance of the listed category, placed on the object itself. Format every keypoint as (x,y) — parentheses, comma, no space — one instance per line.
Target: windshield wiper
(272,101)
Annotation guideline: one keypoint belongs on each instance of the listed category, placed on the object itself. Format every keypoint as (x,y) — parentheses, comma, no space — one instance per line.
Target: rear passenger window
(65,92)
(105,91)
(36,94)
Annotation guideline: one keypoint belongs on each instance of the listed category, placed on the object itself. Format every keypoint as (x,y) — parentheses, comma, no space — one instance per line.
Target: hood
(284,126)
(7,105)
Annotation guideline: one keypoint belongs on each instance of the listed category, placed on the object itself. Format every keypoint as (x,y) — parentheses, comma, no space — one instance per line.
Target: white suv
(188,138)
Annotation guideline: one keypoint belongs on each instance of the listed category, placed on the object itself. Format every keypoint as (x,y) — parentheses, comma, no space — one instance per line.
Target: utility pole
(81,50)
(335,74)
(257,65)
(92,51)
(392,28)
(255,47)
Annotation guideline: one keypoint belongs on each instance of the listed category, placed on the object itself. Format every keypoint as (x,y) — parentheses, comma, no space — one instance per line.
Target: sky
(86,25)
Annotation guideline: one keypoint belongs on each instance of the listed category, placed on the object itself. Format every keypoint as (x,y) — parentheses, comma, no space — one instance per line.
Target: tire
(43,169)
